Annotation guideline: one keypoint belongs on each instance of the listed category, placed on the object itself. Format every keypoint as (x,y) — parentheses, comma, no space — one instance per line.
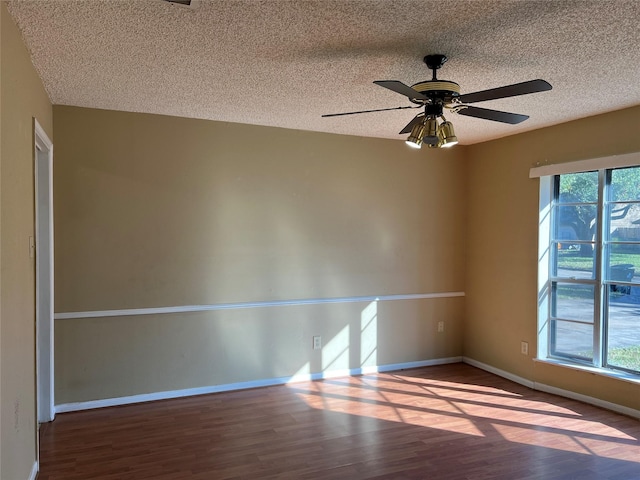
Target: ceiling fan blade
(417,119)
(367,111)
(495,115)
(532,86)
(401,88)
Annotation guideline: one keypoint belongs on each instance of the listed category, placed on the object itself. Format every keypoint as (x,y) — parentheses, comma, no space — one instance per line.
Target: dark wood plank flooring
(451,422)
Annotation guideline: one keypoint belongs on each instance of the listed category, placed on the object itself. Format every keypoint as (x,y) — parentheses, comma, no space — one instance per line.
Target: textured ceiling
(285,63)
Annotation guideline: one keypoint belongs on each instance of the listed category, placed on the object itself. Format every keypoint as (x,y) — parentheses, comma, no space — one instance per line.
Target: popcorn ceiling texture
(284,63)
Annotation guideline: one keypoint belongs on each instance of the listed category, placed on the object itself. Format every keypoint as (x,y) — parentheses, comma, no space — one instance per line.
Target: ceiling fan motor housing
(438,90)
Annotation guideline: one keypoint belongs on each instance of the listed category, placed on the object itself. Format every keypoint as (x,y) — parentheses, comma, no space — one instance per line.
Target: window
(593,282)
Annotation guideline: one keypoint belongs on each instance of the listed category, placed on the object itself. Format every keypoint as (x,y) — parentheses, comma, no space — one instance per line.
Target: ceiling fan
(436,95)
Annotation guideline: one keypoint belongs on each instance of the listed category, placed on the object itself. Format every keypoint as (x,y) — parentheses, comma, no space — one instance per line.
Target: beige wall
(158,211)
(501,271)
(22,97)
(154,211)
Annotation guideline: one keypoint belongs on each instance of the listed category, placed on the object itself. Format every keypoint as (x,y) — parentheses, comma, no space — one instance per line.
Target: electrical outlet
(440,326)
(317,342)
(524,348)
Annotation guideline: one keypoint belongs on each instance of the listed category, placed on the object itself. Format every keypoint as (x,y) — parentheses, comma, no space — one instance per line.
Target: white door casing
(43,171)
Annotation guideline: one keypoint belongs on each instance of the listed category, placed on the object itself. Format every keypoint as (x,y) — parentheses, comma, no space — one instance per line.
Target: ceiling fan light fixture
(447,136)
(416,135)
(430,136)
(413,142)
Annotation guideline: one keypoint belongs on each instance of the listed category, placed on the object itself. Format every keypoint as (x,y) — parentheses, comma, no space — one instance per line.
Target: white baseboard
(500,373)
(424,363)
(34,471)
(149,397)
(555,390)
(586,399)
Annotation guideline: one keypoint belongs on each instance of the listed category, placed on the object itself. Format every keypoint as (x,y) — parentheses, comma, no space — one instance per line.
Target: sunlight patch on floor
(560,441)
(604,448)
(577,443)
(456,409)
(382,409)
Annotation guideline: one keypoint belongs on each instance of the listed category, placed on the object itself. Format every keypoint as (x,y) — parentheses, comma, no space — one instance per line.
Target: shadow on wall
(351,350)
(355,338)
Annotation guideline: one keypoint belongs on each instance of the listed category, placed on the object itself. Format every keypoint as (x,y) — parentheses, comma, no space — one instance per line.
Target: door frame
(43,176)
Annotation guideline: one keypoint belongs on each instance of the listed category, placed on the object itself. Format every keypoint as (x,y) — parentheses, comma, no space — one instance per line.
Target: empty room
(332,239)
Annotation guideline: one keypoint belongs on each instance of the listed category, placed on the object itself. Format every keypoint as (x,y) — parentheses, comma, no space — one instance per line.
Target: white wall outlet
(440,326)
(317,342)
(524,348)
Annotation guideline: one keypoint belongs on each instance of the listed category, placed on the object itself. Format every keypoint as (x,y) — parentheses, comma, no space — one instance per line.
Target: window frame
(549,280)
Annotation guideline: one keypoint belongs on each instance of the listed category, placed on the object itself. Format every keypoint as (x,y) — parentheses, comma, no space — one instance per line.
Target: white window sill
(619,375)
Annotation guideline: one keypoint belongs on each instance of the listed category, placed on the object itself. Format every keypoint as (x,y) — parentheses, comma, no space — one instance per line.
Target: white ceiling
(285,63)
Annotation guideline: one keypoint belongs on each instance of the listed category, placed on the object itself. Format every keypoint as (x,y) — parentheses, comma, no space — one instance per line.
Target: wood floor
(444,422)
